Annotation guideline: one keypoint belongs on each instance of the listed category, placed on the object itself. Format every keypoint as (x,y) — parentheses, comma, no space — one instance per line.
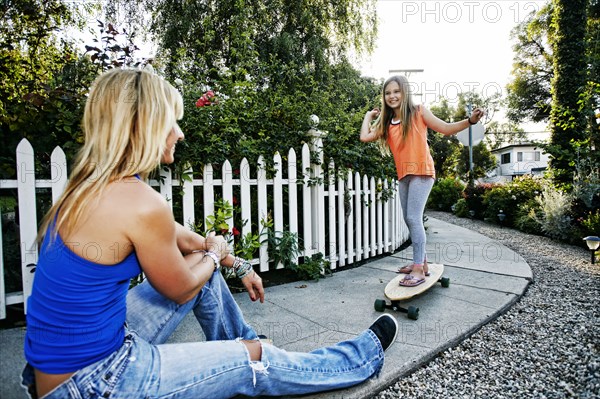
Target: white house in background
(518,159)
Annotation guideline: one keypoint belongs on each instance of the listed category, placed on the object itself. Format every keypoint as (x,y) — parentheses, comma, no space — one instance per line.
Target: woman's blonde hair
(407,111)
(128,115)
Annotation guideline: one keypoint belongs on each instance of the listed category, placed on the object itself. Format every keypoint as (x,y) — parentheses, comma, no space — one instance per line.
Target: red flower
(206,99)
(234,200)
(235,231)
(224,231)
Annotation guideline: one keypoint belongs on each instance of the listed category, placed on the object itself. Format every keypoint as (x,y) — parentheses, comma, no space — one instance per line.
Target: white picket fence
(342,218)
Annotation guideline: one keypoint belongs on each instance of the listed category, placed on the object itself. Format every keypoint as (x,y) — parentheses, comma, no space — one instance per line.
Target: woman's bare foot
(409,268)
(415,277)
(419,271)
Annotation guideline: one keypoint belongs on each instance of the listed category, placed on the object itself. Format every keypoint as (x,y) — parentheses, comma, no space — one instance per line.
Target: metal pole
(470,144)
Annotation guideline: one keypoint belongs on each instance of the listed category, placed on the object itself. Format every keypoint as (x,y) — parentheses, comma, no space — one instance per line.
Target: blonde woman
(401,128)
(89,336)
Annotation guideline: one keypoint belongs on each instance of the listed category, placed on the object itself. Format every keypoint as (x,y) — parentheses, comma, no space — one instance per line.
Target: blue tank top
(77,308)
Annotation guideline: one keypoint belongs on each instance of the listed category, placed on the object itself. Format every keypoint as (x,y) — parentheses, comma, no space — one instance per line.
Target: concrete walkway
(486,279)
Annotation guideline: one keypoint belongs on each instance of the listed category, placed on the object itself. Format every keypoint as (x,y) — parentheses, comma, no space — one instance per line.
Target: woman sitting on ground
(89,335)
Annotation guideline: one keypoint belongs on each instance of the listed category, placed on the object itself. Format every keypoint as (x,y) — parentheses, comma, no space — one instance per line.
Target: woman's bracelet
(242,267)
(237,262)
(471,123)
(212,256)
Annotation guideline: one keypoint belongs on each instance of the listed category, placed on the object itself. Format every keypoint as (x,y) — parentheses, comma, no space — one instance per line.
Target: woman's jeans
(146,367)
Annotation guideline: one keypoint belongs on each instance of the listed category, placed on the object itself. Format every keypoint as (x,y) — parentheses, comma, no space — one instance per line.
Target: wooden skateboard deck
(396,292)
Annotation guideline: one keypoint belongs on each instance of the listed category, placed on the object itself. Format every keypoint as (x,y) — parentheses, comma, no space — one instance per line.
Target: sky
(459,45)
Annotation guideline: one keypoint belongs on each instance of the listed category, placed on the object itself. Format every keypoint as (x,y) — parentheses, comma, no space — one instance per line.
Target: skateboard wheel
(413,312)
(445,282)
(379,305)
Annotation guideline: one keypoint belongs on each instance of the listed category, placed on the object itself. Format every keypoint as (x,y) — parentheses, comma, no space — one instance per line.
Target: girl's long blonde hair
(408,111)
(127,118)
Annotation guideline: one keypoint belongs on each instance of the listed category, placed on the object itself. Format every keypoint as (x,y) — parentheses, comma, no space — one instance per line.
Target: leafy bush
(313,268)
(45,80)
(283,248)
(510,197)
(590,224)
(585,209)
(244,120)
(527,217)
(461,209)
(554,206)
(244,246)
(444,194)
(474,195)
(586,183)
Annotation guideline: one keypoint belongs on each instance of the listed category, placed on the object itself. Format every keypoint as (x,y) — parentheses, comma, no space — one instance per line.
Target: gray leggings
(414,191)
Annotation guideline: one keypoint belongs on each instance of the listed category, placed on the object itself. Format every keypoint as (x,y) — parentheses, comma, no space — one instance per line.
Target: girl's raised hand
(374,113)
(476,115)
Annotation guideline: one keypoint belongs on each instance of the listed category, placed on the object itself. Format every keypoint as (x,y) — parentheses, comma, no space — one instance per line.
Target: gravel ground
(545,346)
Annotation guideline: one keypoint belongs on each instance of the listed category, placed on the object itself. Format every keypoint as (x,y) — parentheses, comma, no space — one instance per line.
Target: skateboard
(397,293)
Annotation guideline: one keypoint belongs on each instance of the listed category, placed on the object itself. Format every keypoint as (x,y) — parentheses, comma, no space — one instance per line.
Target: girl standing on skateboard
(401,128)
(90,336)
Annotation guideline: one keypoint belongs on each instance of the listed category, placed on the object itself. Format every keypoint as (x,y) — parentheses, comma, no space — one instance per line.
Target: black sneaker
(386,329)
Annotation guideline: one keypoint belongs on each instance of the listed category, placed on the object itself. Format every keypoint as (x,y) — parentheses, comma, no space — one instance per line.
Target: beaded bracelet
(242,267)
(237,262)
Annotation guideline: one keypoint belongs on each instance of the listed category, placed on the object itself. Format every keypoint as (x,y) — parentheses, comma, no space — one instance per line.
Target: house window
(505,158)
(528,156)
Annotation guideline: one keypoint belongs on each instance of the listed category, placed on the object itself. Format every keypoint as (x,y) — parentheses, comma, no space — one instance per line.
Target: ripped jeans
(146,367)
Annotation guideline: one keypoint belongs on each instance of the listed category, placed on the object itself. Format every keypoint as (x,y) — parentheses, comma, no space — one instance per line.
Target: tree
(529,97)
(447,152)
(271,64)
(42,78)
(535,79)
(443,149)
(592,100)
(204,38)
(483,162)
(568,122)
(499,134)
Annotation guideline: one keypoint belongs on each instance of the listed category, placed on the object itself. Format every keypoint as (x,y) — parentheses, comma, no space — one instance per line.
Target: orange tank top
(411,154)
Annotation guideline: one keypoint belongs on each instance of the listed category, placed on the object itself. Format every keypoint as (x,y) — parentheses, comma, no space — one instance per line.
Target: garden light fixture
(593,243)
(501,216)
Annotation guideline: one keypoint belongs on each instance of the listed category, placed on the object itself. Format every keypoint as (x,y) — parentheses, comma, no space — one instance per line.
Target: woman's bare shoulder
(135,196)
(113,219)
